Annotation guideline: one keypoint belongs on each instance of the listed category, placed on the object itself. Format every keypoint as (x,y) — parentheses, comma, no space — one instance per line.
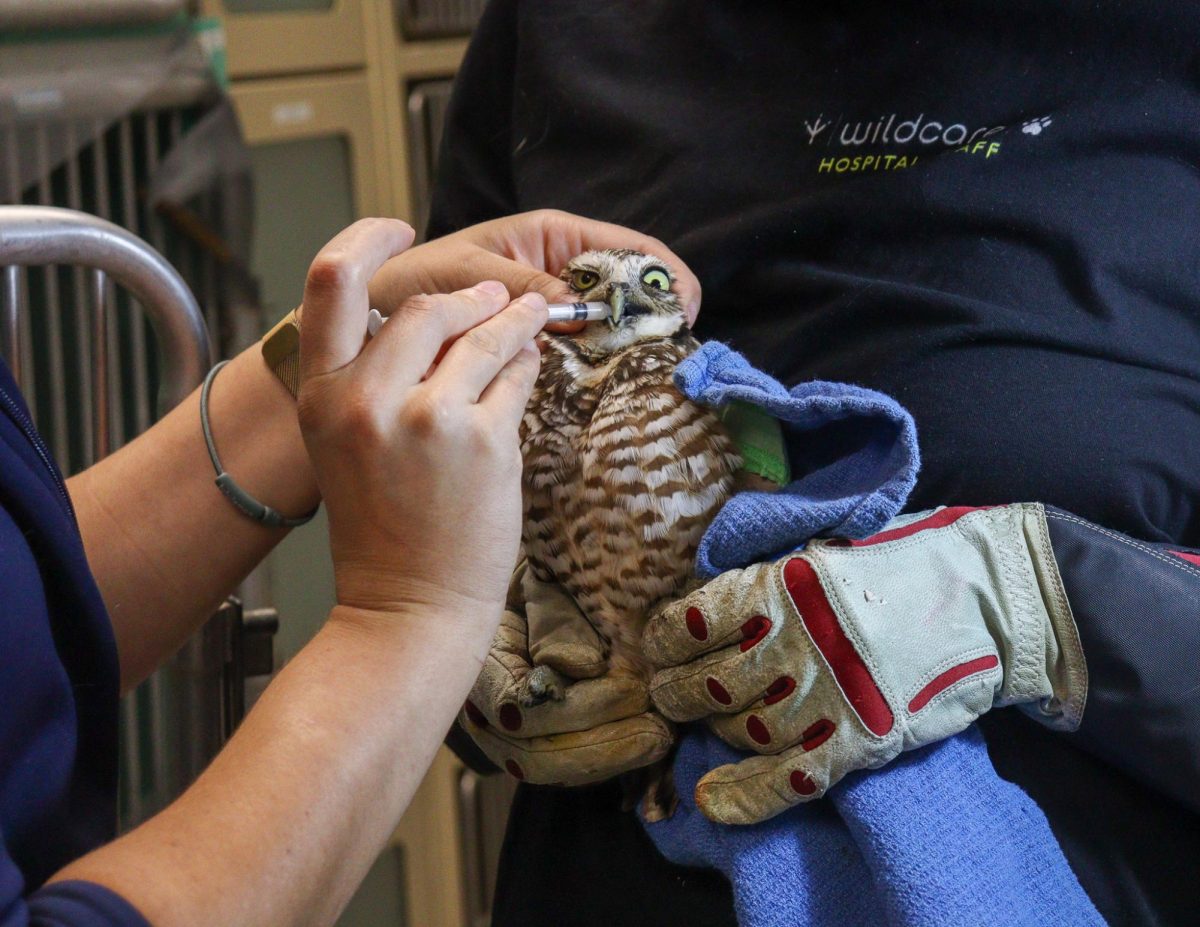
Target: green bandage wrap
(759,439)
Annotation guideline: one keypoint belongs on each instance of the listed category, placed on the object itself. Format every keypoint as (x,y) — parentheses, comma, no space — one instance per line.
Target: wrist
(1026,612)
(256,427)
(1052,651)
(394,597)
(464,634)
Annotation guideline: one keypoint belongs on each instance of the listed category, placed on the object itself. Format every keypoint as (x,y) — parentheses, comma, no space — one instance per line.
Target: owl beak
(616,299)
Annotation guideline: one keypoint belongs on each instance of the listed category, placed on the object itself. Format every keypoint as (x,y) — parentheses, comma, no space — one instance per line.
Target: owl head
(638,288)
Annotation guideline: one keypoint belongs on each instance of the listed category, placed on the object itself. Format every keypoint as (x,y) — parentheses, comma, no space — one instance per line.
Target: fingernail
(801,783)
(492,287)
(510,717)
(536,300)
(692,309)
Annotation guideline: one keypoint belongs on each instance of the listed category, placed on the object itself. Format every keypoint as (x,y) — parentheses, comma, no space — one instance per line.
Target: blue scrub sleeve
(71,903)
(80,904)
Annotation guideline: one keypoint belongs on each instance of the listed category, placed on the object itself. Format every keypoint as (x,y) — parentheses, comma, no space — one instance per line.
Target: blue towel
(934,838)
(856,448)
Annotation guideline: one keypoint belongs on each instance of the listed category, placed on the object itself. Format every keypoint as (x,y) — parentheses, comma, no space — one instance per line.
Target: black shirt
(989,211)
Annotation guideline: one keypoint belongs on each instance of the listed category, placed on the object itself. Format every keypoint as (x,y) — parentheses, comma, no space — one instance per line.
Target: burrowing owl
(622,473)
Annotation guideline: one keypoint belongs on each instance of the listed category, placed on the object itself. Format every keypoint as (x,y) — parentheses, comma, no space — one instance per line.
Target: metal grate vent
(109,170)
(427,104)
(108,175)
(436,19)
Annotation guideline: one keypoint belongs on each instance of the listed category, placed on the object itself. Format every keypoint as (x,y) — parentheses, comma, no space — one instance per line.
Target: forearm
(165,546)
(287,820)
(1137,607)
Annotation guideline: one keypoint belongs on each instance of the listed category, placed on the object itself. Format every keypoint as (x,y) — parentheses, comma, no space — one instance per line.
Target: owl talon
(543,684)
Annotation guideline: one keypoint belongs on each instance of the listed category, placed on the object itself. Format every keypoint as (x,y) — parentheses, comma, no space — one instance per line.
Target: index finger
(712,618)
(335,292)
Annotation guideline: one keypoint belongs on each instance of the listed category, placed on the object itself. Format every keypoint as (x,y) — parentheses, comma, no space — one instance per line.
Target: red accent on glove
(780,689)
(510,717)
(947,516)
(817,734)
(801,784)
(848,667)
(718,691)
(950,677)
(1190,558)
(754,630)
(758,730)
(696,625)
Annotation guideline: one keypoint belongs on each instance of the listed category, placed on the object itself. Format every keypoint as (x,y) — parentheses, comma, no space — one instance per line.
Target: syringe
(559,312)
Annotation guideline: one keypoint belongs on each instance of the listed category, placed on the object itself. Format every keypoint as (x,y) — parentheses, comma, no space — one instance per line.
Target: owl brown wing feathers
(641,471)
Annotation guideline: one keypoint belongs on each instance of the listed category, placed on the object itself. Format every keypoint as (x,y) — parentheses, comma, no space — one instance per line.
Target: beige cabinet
(333,107)
(266,37)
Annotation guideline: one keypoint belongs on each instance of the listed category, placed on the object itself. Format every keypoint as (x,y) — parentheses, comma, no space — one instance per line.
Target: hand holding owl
(524,252)
(843,656)
(600,726)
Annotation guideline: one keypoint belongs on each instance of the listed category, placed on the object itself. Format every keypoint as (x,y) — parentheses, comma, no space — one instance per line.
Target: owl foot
(652,787)
(541,685)
(661,797)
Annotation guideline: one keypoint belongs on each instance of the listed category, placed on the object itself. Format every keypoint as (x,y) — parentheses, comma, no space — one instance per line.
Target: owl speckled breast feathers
(622,473)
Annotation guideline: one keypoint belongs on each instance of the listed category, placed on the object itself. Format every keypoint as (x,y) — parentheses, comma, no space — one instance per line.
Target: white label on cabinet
(292,113)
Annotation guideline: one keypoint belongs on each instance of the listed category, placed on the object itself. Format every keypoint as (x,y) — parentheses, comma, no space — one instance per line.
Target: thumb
(335,292)
(754,789)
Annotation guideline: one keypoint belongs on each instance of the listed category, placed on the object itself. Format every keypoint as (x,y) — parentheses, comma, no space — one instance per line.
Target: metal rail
(78,14)
(36,236)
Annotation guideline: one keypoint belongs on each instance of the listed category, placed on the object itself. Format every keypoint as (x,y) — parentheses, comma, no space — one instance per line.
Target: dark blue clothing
(988,211)
(60,679)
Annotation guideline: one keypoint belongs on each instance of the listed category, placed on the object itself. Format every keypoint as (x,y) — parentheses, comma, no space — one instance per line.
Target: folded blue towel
(856,449)
(934,838)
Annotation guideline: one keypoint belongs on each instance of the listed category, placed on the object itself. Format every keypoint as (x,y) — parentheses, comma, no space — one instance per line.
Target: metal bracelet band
(242,500)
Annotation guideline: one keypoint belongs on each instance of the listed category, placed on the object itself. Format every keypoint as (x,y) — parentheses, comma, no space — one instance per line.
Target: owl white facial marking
(637,286)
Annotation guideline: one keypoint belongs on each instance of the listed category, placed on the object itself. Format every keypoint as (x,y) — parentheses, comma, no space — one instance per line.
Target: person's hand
(595,728)
(417,457)
(525,252)
(843,656)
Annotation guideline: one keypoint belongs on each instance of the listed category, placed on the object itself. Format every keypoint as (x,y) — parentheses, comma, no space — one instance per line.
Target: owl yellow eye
(584,279)
(657,278)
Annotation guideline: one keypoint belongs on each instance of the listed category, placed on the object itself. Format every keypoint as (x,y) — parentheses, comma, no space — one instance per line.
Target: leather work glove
(841,657)
(592,729)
